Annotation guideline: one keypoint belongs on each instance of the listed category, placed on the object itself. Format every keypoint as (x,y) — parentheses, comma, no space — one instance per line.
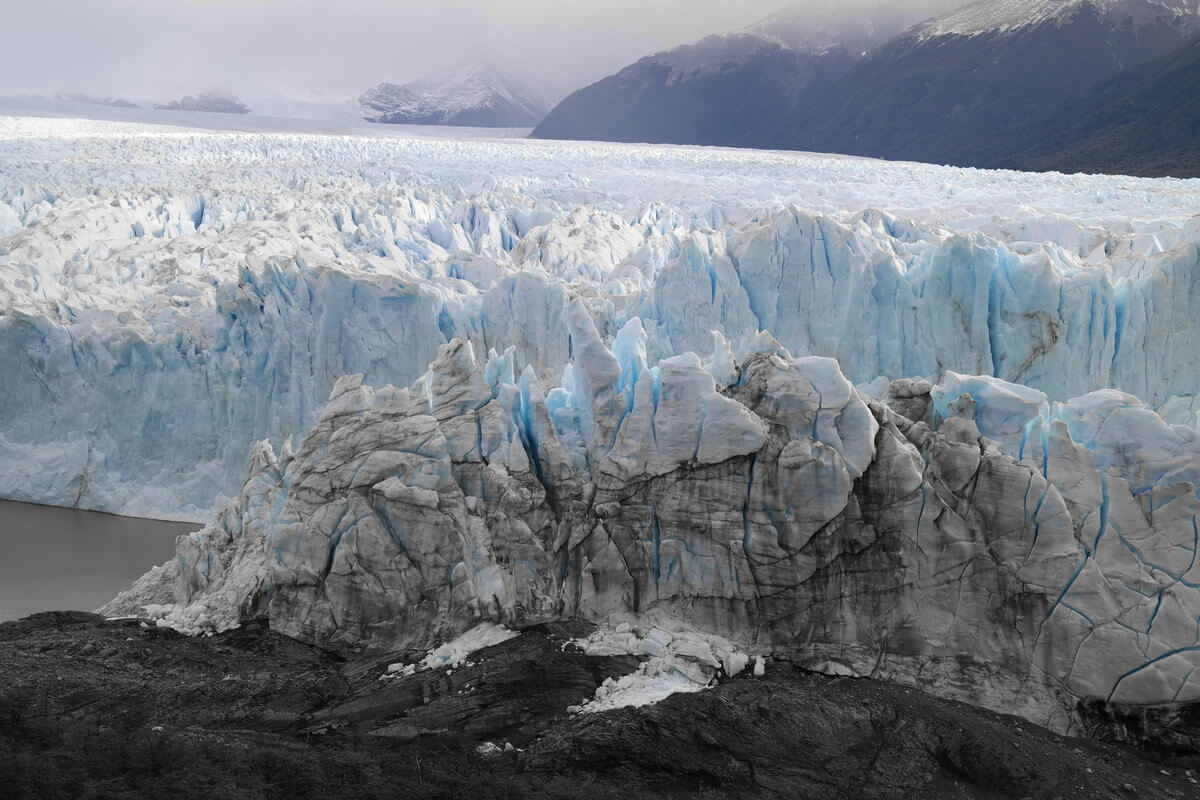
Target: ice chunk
(456,651)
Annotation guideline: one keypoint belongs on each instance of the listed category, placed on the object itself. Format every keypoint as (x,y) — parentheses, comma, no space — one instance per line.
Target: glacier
(932,425)
(168,297)
(970,537)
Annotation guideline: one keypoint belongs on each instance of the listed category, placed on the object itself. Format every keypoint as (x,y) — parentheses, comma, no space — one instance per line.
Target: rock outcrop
(91,708)
(970,536)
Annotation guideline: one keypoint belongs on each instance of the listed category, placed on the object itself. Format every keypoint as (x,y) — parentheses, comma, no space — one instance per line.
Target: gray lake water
(61,559)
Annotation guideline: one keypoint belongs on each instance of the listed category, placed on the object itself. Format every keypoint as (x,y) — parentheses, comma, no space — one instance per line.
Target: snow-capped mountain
(1006,16)
(979,86)
(856,25)
(982,85)
(727,89)
(472,95)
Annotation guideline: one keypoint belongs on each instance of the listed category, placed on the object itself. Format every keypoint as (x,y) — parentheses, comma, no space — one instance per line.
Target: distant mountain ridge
(979,86)
(207,101)
(728,89)
(723,90)
(975,87)
(991,16)
(822,25)
(473,95)
(210,101)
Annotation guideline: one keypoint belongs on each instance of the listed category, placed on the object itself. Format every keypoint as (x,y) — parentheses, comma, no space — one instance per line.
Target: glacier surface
(169,297)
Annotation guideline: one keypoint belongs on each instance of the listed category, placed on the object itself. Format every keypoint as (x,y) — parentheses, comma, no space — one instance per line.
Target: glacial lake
(60,559)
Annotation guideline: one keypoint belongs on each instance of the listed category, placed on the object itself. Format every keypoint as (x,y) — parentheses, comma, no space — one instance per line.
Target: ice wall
(168,298)
(974,538)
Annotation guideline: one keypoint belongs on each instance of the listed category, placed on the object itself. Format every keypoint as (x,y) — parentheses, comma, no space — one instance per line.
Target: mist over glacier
(171,297)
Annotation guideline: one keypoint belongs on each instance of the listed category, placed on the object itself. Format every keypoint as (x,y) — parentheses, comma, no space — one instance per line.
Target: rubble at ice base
(169,297)
(970,536)
(675,659)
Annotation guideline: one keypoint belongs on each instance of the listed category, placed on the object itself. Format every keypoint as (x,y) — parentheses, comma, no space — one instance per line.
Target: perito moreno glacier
(925,423)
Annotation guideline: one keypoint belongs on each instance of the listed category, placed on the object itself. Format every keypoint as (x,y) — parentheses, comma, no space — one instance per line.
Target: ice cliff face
(970,535)
(168,298)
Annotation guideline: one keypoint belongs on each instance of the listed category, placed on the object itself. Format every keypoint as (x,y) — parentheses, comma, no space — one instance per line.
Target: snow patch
(675,662)
(455,652)
(192,620)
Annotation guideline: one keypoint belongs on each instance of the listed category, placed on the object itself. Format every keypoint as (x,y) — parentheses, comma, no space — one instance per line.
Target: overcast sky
(164,48)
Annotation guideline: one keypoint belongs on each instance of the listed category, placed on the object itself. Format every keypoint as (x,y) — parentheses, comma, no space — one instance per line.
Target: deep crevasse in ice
(167,298)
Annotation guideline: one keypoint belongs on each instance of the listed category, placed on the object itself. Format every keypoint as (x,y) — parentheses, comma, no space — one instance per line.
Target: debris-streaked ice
(971,536)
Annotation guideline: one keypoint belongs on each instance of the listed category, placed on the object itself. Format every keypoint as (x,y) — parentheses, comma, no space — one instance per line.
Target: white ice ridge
(972,535)
(455,652)
(169,297)
(675,660)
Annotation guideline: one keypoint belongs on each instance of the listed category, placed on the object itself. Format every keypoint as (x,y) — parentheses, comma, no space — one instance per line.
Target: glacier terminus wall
(969,536)
(168,298)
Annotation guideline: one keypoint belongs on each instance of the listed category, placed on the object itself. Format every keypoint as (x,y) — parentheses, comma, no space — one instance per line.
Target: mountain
(856,25)
(727,89)
(973,87)
(476,95)
(85,717)
(207,101)
(979,86)
(723,90)
(1146,121)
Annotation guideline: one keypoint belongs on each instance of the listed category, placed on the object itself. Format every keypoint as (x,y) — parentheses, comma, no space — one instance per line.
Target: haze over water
(57,559)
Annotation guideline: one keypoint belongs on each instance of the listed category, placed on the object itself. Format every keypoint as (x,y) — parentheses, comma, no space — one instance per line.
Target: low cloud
(157,49)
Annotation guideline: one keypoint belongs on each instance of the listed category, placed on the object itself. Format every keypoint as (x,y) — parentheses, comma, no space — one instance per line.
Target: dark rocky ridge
(95,708)
(982,100)
(1090,91)
(736,101)
(1146,121)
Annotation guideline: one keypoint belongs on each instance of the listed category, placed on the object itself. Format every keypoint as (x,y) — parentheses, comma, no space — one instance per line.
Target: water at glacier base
(55,559)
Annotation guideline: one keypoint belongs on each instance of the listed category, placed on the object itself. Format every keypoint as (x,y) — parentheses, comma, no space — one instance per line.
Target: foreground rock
(1013,555)
(118,709)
